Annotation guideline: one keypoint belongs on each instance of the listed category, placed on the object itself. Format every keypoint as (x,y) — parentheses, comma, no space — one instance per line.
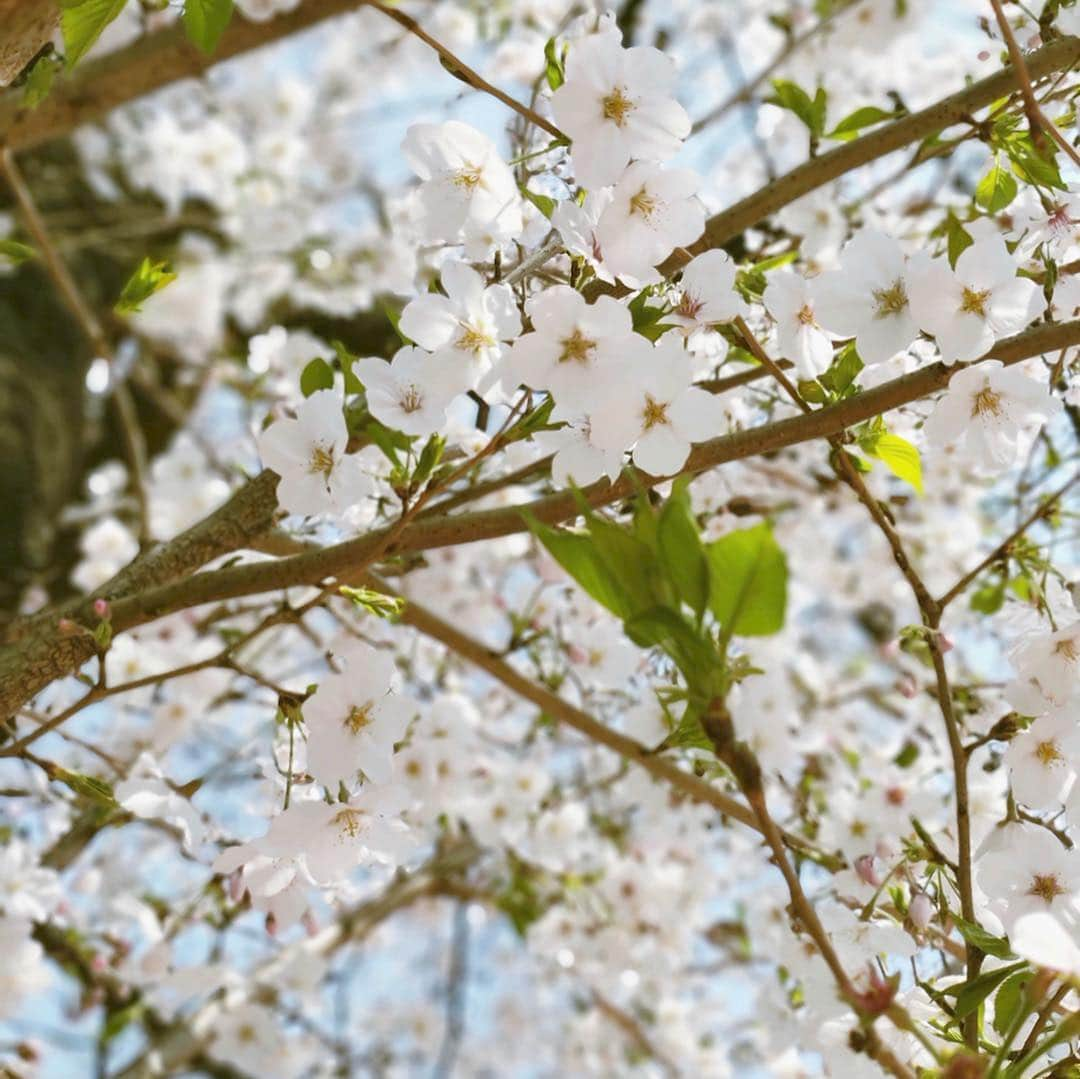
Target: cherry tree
(539,540)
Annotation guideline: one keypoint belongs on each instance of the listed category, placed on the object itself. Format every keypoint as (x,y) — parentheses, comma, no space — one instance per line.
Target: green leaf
(554,71)
(578,554)
(811,110)
(981,939)
(843,370)
(971,994)
(1010,998)
(97,790)
(39,80)
(376,603)
(989,598)
(82,22)
(430,456)
(693,653)
(14,252)
(345,361)
(148,278)
(1031,166)
(957,238)
(854,122)
(682,553)
(748,582)
(544,203)
(689,733)
(996,189)
(121,1018)
(900,457)
(205,21)
(316,375)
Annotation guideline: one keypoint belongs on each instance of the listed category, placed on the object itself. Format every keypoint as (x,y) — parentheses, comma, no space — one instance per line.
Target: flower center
(806,315)
(359,718)
(617,106)
(689,306)
(410,400)
(1047,753)
(1067,648)
(350,822)
(577,348)
(468,177)
(891,300)
(246,1034)
(1046,886)
(643,204)
(986,402)
(654,412)
(973,301)
(322,461)
(473,340)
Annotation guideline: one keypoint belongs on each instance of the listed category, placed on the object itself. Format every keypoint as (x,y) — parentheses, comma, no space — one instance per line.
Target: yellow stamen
(577,348)
(1046,886)
(643,204)
(973,301)
(654,412)
(617,106)
(986,402)
(468,177)
(359,718)
(322,461)
(1047,753)
(891,300)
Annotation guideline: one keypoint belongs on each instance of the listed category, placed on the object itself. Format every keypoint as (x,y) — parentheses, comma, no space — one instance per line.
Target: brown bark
(25,25)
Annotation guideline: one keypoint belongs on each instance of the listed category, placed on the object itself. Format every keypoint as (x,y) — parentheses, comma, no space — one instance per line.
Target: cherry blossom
(989,413)
(789,298)
(308,453)
(412,392)
(354,721)
(867,298)
(652,211)
(657,410)
(616,106)
(466,326)
(971,307)
(468,193)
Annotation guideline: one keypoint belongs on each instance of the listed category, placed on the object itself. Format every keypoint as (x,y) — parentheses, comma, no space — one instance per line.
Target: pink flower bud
(920,910)
(866,869)
(983,54)
(945,643)
(101,608)
(271,924)
(576,653)
(906,687)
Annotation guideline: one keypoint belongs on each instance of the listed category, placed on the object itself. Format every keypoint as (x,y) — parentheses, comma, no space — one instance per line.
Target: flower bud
(101,607)
(920,910)
(866,868)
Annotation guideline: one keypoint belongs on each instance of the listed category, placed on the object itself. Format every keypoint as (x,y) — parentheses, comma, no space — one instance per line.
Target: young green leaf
(682,553)
(316,375)
(996,189)
(205,21)
(579,555)
(82,21)
(854,122)
(748,582)
(981,939)
(971,994)
(13,252)
(900,457)
(148,278)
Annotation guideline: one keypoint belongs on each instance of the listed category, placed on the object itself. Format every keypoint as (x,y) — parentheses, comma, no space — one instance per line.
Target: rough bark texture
(154,61)
(25,25)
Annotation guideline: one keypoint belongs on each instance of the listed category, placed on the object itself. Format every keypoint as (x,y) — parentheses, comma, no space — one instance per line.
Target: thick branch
(28,668)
